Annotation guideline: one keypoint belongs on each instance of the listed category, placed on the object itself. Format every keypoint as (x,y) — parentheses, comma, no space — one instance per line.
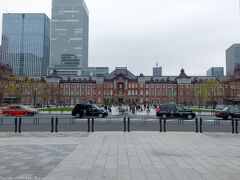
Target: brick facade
(121,86)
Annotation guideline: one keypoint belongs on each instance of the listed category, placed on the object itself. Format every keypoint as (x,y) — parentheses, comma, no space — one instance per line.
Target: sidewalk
(118,155)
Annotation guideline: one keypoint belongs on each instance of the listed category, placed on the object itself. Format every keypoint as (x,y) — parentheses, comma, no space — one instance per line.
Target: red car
(18,110)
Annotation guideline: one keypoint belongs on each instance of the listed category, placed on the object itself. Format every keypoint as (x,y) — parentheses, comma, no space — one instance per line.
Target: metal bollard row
(196,123)
(235,123)
(201,131)
(124,124)
(128,124)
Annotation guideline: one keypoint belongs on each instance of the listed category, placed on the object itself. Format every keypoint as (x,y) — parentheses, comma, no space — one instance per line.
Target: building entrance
(120,100)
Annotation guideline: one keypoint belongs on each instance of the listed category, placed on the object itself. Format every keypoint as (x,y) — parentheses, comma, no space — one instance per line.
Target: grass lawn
(57,109)
(201,110)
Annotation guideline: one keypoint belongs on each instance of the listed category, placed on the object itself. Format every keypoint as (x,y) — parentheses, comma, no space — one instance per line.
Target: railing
(115,123)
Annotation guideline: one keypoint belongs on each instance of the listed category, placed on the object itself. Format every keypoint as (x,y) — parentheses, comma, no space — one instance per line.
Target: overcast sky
(189,34)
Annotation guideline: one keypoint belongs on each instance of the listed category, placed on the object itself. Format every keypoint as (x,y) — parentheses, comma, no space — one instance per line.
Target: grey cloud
(193,34)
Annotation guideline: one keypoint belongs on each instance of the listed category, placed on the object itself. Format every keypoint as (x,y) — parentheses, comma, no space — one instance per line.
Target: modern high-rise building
(0,53)
(157,71)
(26,43)
(69,36)
(215,71)
(232,58)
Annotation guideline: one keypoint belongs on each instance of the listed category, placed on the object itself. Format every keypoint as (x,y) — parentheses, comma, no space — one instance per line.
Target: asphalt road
(112,123)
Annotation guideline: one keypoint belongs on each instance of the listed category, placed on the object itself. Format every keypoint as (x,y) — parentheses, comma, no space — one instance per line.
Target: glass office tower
(69,36)
(232,58)
(26,43)
(215,71)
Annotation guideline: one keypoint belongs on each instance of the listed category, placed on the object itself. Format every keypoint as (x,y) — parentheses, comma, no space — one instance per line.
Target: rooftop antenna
(7,11)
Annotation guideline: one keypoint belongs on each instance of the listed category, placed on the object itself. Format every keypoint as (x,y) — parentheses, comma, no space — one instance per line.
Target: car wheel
(164,116)
(100,115)
(27,114)
(189,116)
(229,117)
(77,115)
(6,114)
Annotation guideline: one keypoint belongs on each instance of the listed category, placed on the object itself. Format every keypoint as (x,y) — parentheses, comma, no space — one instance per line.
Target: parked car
(174,111)
(18,110)
(229,112)
(81,110)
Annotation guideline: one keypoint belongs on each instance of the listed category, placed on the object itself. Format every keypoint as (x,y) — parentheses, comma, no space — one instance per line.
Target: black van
(81,110)
(174,111)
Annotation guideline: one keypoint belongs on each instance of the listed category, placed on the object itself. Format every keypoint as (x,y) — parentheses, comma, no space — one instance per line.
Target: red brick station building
(122,86)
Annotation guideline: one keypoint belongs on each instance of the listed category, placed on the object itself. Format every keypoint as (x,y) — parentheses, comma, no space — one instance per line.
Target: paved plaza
(119,155)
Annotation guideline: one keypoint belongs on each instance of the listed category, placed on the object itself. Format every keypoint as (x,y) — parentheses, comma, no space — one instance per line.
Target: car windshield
(179,108)
(25,107)
(94,107)
(225,109)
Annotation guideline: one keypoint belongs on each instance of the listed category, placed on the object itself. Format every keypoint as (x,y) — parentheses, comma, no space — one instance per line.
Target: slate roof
(121,71)
(54,75)
(183,75)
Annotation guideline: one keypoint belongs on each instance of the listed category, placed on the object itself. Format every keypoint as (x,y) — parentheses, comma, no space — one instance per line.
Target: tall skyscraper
(69,36)
(26,43)
(232,58)
(0,53)
(215,71)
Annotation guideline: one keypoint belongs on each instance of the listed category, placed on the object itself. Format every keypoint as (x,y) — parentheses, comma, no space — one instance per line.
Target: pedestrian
(133,109)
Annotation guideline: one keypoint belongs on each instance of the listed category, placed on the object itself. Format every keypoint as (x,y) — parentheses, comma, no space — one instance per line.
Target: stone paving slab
(120,156)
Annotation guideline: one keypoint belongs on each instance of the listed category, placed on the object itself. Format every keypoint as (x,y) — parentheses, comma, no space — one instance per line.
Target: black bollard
(236,124)
(196,123)
(19,125)
(201,125)
(88,125)
(232,126)
(160,123)
(164,124)
(128,124)
(124,124)
(56,125)
(16,125)
(52,129)
(92,124)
